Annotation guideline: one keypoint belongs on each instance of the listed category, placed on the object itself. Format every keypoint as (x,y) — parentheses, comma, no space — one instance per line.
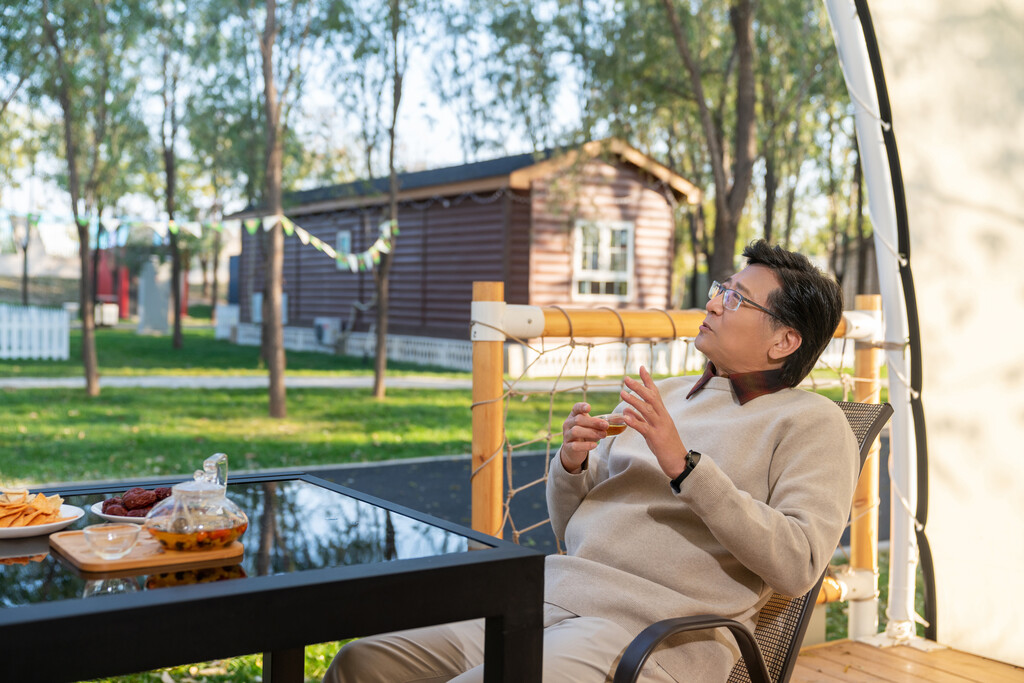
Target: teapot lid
(212,478)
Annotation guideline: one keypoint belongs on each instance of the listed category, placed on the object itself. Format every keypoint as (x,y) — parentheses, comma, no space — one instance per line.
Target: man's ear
(787,341)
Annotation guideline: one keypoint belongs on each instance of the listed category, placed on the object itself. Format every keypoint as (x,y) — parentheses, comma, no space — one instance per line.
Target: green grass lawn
(53,435)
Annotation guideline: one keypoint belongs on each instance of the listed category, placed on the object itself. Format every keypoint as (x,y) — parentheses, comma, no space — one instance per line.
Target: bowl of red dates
(131,506)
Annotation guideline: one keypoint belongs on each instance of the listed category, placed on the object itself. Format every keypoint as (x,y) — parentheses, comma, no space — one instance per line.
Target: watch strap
(692,458)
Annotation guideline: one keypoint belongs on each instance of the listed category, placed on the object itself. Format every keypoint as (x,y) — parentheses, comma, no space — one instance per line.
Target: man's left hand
(648,416)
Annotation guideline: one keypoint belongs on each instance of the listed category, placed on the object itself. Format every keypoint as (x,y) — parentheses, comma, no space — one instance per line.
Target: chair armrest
(647,640)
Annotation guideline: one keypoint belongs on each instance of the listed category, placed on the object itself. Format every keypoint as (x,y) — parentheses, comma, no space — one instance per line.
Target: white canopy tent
(946,80)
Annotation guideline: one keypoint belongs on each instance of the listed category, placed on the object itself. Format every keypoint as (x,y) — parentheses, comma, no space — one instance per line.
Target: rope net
(548,375)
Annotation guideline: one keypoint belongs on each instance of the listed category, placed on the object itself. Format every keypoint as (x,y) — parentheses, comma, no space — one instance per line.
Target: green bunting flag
(365,260)
(288,226)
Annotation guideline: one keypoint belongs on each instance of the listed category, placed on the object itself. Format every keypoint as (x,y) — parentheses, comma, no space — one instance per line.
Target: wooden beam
(488,365)
(632,324)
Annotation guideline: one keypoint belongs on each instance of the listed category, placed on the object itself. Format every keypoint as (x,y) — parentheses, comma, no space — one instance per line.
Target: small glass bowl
(616,423)
(111,541)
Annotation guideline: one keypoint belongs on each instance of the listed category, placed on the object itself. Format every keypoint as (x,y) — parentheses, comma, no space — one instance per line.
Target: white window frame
(343,247)
(604,272)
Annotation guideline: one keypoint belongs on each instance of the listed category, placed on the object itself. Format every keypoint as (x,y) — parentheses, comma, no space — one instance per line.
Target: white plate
(97,509)
(71,512)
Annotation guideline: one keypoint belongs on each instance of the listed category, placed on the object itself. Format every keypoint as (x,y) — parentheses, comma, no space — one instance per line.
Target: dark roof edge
(499,170)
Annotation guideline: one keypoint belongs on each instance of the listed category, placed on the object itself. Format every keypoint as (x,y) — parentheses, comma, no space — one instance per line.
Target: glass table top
(294,526)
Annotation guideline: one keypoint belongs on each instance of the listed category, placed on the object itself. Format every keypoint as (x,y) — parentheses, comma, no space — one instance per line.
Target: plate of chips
(23,514)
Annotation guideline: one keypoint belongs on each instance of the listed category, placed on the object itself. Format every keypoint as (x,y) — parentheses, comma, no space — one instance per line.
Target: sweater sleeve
(565,491)
(788,539)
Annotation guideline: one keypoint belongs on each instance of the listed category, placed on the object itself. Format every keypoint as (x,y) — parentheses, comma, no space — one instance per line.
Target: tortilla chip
(7,516)
(48,505)
(23,560)
(27,519)
(13,496)
(28,510)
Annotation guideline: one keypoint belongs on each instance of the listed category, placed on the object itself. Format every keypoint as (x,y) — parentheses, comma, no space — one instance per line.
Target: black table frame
(73,640)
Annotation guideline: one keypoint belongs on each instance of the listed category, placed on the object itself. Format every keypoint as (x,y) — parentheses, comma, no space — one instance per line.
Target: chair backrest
(783,620)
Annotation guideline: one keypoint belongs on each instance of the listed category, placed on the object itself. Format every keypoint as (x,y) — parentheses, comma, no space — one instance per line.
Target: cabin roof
(516,172)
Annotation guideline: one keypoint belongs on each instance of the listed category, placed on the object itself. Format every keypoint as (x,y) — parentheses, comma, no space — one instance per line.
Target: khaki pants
(576,650)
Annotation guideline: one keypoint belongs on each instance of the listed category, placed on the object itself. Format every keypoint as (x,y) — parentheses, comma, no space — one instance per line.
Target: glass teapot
(198,514)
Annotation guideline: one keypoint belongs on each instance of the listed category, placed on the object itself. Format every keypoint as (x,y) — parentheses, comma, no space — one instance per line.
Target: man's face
(742,340)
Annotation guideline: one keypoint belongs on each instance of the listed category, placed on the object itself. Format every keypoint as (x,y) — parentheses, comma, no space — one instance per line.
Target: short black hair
(808,300)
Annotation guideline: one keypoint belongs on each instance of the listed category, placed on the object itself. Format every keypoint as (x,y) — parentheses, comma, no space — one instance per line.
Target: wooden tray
(147,554)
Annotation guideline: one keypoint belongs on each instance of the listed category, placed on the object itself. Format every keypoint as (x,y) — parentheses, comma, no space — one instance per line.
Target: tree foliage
(261,97)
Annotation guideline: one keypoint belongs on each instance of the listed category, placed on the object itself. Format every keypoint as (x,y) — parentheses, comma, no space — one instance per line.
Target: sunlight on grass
(245,669)
(54,435)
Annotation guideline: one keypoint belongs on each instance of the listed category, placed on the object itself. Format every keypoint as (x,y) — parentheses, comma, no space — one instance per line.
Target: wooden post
(864,524)
(488,365)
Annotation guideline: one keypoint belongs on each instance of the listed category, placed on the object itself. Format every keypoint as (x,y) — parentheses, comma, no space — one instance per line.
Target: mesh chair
(767,655)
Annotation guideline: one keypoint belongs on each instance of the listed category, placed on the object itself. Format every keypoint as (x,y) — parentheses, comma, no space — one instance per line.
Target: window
(343,245)
(257,308)
(603,261)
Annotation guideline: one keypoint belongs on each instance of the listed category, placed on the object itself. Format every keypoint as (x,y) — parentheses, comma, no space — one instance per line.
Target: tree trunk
(383,272)
(204,272)
(858,221)
(168,136)
(771,189)
(729,198)
(177,341)
(89,364)
(96,260)
(771,157)
(696,231)
(215,281)
(24,260)
(791,209)
(274,337)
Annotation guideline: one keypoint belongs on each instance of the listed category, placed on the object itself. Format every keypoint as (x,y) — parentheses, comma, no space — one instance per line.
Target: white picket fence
(34,332)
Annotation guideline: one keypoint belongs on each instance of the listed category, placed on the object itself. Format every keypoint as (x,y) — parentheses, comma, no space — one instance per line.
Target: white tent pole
(855,62)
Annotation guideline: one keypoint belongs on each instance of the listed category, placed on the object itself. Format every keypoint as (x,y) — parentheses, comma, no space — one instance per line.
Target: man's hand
(580,434)
(649,416)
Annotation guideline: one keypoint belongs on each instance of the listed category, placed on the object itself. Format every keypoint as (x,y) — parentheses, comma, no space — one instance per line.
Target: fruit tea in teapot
(198,515)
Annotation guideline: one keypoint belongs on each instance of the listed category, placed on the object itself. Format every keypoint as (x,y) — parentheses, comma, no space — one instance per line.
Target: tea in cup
(616,423)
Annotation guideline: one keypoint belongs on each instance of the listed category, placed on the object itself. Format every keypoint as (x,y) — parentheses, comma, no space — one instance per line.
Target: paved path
(291,381)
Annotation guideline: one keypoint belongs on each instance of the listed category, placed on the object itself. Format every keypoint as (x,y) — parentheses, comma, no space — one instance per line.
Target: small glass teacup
(111,541)
(616,423)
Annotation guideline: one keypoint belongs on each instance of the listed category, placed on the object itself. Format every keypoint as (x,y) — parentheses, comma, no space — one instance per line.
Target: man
(726,488)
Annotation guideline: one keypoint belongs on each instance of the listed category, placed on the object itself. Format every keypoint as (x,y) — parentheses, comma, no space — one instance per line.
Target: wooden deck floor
(846,660)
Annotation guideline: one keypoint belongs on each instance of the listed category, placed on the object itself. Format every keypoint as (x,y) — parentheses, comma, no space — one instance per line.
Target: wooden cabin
(593,226)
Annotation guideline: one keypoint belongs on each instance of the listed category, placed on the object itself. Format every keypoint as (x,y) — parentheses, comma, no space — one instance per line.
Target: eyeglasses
(731,299)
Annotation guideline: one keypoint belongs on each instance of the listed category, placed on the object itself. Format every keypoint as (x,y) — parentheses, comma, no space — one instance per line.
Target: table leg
(513,655)
(284,666)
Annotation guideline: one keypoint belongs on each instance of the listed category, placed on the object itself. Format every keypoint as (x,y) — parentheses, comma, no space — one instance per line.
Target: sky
(428,138)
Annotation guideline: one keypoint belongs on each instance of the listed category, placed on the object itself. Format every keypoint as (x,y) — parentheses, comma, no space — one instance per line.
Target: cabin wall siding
(609,193)
(439,251)
(520,237)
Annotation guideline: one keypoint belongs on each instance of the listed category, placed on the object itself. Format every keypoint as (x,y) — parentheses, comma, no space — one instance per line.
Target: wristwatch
(692,458)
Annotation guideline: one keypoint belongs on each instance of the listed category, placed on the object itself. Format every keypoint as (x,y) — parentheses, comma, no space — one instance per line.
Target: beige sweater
(761,512)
